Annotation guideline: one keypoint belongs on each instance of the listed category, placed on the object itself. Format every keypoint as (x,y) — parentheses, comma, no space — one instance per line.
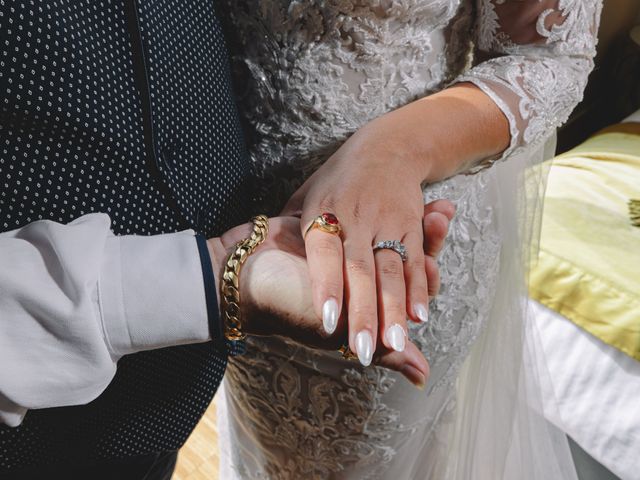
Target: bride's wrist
(442,134)
(384,139)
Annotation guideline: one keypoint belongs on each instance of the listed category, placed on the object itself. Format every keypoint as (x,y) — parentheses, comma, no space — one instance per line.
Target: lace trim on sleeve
(541,53)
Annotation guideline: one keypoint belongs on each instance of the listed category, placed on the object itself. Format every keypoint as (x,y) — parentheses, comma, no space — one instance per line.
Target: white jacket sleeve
(75,298)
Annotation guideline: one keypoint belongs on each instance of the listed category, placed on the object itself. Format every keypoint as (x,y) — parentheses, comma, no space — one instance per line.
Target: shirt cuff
(152,293)
(210,289)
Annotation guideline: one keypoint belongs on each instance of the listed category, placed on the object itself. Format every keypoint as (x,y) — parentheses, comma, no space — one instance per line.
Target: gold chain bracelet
(230,285)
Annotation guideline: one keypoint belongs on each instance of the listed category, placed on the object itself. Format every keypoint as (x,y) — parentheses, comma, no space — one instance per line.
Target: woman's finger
(416,278)
(433,274)
(324,257)
(443,206)
(360,290)
(391,290)
(435,226)
(410,363)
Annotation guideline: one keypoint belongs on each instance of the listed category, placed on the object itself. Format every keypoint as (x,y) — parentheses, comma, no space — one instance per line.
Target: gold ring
(326,222)
(347,353)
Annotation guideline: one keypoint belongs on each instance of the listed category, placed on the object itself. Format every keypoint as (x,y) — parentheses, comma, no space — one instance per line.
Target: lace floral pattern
(319,419)
(539,74)
(310,73)
(469,266)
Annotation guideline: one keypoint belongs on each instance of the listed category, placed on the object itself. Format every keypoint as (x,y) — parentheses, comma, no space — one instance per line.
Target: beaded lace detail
(311,72)
(538,74)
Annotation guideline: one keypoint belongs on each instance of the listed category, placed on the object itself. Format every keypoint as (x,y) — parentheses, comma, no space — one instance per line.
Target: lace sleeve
(537,57)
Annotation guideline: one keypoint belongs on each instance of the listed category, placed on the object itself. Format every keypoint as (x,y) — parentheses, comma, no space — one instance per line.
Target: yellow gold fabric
(588,268)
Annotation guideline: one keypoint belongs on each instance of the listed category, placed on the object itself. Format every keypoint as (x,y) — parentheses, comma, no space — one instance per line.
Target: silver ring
(395,245)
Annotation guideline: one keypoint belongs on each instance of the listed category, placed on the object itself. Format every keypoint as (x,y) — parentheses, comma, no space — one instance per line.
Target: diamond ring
(395,245)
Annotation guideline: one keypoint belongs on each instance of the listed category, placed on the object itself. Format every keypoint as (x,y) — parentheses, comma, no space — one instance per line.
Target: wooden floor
(198,459)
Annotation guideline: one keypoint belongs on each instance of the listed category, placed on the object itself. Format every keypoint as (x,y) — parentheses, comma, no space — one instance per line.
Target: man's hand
(276,293)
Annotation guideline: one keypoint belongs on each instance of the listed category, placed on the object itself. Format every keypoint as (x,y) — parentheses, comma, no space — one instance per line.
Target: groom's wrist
(209,262)
(217,255)
(219,249)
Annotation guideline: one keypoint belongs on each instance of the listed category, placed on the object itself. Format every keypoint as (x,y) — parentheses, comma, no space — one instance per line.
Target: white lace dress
(311,72)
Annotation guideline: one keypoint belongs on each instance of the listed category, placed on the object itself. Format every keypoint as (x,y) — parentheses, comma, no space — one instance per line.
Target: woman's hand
(375,191)
(275,285)
(376,196)
(373,185)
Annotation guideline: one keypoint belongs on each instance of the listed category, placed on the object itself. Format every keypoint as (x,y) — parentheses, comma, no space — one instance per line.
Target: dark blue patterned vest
(122,107)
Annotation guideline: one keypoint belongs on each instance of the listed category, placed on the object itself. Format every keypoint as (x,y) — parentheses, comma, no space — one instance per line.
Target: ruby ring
(326,222)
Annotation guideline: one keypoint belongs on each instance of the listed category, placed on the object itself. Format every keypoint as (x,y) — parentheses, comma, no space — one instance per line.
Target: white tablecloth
(594,392)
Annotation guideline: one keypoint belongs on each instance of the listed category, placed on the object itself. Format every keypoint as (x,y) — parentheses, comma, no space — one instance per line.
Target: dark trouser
(158,466)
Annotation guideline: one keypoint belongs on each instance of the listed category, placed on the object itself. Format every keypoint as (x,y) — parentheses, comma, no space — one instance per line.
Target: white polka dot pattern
(88,124)
(181,103)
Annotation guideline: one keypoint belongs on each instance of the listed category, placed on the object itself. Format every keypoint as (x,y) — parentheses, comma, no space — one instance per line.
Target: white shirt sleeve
(75,298)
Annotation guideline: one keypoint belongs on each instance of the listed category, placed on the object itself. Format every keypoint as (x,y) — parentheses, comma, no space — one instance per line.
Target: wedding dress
(308,74)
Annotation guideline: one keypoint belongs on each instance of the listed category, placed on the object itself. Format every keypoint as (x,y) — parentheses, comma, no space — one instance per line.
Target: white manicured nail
(364,347)
(396,337)
(422,312)
(330,315)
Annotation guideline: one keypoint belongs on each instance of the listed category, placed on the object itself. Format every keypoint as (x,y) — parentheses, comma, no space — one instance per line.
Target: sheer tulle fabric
(292,412)
(498,431)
